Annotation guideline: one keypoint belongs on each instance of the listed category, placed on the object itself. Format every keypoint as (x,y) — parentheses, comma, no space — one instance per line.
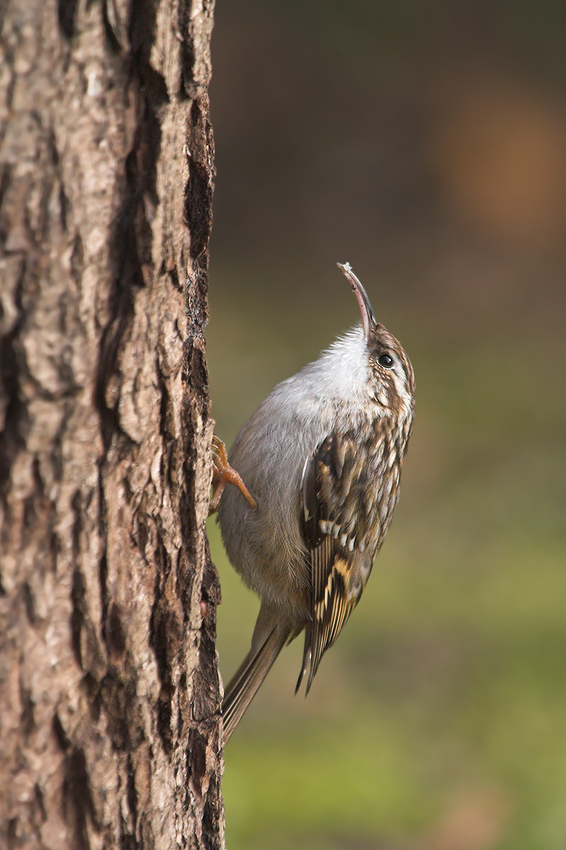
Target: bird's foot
(223,474)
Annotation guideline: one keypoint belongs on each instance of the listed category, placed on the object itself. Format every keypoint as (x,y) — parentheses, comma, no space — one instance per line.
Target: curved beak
(368,319)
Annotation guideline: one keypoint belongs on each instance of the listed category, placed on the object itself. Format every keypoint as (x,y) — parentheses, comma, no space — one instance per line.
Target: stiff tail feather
(246,681)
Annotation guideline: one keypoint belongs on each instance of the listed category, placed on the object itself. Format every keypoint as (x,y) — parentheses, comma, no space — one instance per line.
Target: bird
(316,471)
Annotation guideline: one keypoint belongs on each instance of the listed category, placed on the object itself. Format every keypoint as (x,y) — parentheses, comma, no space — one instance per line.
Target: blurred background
(425,143)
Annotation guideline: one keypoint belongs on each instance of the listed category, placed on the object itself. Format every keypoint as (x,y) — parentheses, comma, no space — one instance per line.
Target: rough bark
(109,720)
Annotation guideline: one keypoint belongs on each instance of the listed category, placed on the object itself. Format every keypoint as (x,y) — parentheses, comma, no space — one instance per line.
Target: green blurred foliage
(422,143)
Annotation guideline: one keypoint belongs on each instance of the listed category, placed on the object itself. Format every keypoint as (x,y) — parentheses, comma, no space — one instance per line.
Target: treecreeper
(317,470)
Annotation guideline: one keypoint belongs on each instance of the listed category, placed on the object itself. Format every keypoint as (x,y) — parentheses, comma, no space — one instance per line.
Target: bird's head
(392,382)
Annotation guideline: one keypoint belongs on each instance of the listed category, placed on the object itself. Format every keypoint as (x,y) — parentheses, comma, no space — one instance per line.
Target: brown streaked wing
(324,510)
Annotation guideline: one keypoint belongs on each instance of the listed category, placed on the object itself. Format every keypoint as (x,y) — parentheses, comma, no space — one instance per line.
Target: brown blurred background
(425,143)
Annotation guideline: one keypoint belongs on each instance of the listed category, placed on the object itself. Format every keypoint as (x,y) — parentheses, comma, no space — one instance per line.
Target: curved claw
(223,474)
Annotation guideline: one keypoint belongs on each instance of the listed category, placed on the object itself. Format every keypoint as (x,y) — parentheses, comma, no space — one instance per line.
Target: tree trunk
(109,718)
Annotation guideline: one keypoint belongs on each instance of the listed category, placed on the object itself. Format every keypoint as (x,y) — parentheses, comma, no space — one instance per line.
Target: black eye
(385,360)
